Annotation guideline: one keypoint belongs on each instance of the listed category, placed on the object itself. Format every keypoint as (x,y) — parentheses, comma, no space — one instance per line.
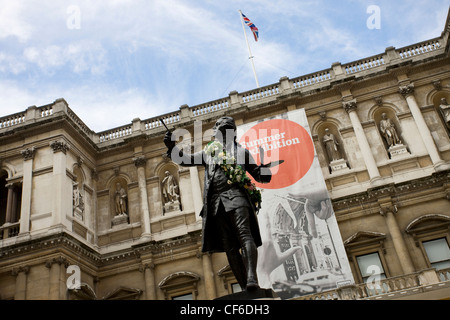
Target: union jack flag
(251,26)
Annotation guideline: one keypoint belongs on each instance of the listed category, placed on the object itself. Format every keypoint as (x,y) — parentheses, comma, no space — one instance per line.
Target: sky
(116,60)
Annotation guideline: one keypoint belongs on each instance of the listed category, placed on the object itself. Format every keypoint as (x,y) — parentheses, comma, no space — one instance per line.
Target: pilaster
(140,162)
(57,283)
(61,193)
(21,282)
(148,269)
(407,91)
(374,174)
(28,156)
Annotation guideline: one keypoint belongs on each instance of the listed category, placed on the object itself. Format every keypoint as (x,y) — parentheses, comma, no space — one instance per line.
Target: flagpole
(249,51)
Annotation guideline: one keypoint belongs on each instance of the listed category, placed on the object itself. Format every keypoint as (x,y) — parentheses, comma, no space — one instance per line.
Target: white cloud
(12,22)
(78,57)
(140,58)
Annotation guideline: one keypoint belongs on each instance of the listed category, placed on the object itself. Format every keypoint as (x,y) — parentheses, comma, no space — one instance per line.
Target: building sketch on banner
(302,251)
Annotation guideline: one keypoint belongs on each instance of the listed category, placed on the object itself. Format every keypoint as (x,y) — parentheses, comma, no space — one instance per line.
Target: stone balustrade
(9,230)
(387,289)
(321,79)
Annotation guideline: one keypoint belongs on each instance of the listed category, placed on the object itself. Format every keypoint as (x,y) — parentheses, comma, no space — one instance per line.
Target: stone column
(196,192)
(21,282)
(94,176)
(9,203)
(28,156)
(57,282)
(397,238)
(408,92)
(149,280)
(369,160)
(139,162)
(208,273)
(60,201)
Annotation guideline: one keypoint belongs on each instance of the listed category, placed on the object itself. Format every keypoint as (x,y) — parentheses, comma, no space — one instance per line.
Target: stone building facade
(95,207)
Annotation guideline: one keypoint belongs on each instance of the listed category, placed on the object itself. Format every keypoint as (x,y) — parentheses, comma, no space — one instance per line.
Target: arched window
(180,286)
(431,235)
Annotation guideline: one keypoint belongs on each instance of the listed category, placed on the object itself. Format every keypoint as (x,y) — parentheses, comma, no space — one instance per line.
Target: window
(365,250)
(431,235)
(370,265)
(188,296)
(438,253)
(3,196)
(180,286)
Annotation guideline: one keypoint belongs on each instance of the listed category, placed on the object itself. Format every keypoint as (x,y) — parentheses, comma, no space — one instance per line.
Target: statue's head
(224,129)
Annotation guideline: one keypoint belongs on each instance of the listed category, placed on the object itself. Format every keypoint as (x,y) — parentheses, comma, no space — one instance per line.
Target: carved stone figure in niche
(331,146)
(78,202)
(170,188)
(445,109)
(120,200)
(388,130)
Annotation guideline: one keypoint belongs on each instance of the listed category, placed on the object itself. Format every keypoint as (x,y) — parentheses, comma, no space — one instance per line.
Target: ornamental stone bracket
(16,271)
(349,105)
(58,146)
(139,161)
(406,90)
(59,260)
(144,266)
(384,209)
(28,153)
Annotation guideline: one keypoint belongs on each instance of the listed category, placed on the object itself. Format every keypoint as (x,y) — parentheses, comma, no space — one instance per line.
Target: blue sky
(117,60)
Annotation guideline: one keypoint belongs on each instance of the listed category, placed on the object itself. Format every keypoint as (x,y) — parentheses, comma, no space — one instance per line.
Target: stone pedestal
(78,213)
(259,294)
(120,219)
(337,165)
(398,150)
(172,206)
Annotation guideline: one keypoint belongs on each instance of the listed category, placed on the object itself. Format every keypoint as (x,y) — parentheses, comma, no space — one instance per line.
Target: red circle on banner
(281,140)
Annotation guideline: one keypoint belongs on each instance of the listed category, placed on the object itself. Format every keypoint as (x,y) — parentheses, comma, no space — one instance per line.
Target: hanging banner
(302,251)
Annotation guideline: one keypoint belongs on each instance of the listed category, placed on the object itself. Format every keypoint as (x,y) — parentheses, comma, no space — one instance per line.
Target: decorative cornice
(370,198)
(58,146)
(28,153)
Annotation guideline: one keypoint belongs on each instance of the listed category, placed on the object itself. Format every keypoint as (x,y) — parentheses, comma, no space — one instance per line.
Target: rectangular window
(438,253)
(370,265)
(184,297)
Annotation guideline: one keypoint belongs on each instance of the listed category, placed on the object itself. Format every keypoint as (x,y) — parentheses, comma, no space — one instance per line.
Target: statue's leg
(231,245)
(249,250)
(250,255)
(237,266)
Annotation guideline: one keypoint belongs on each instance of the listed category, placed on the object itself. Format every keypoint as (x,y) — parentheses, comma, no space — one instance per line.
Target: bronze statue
(229,213)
